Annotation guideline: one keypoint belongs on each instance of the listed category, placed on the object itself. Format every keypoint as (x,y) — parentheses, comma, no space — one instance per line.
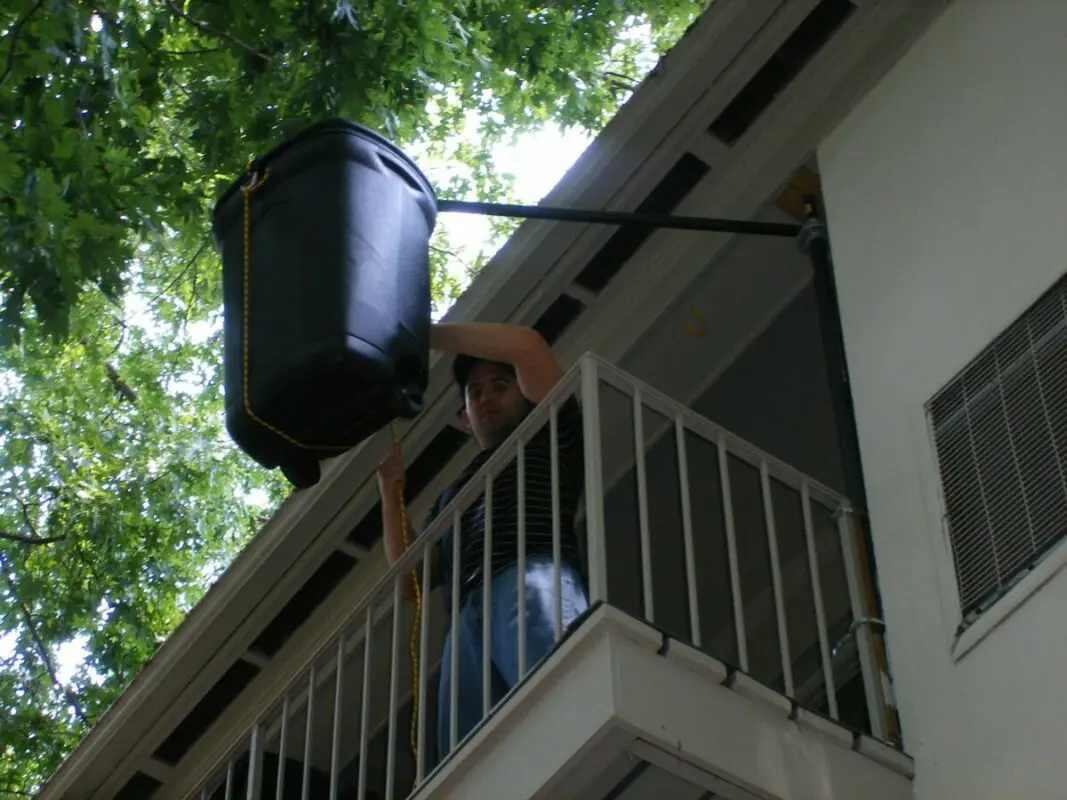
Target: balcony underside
(621,711)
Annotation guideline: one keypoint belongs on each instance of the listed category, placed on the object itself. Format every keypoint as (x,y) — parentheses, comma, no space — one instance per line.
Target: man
(503,371)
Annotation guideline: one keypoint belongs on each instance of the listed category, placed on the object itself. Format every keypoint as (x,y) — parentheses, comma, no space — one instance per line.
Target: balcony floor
(621,711)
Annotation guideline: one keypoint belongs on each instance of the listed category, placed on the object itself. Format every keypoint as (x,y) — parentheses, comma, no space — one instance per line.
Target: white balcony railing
(340,728)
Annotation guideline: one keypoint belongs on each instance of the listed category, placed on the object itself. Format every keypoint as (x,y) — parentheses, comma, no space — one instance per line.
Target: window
(1000,434)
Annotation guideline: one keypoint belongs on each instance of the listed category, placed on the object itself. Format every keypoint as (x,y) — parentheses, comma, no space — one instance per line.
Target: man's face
(494,405)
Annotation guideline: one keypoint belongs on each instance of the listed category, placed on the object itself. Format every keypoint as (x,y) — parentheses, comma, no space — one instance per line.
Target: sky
(538,161)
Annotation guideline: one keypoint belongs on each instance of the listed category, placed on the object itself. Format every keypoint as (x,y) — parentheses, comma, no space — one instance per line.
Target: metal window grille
(1000,432)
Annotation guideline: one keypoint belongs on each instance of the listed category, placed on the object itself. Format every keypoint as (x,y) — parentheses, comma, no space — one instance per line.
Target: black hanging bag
(326,289)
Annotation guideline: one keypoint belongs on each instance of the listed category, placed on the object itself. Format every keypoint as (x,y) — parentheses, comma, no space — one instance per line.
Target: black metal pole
(815,240)
(621,218)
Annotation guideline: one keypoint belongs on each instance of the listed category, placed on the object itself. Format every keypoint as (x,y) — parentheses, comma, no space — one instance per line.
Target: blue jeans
(504,640)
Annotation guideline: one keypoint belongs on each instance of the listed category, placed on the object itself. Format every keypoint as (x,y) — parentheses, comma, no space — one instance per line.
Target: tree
(121,497)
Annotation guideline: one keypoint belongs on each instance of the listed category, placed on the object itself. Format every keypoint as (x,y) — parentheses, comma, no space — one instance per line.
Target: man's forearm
(489,340)
(392,532)
(393,543)
(525,349)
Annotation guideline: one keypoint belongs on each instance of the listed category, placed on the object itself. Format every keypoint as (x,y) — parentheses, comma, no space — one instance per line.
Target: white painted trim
(928,485)
(161,772)
(685,770)
(357,551)
(709,150)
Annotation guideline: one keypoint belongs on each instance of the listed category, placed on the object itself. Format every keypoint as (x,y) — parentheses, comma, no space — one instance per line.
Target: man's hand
(390,483)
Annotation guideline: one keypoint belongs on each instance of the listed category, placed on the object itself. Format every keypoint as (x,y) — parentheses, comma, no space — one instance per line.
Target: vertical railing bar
(305,792)
(282,746)
(394,681)
(642,503)
(708,430)
(255,763)
(557,544)
(594,480)
(520,572)
(364,705)
(229,780)
(203,792)
(731,551)
(424,637)
(487,600)
(872,679)
(453,688)
(687,530)
(820,614)
(776,579)
(335,744)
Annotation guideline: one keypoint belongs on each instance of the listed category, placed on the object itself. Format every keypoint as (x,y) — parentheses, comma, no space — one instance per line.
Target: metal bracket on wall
(876,624)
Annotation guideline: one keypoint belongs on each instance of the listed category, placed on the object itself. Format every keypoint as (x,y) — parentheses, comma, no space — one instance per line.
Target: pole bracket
(874,622)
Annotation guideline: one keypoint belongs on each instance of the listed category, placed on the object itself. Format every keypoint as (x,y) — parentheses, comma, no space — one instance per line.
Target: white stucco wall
(946,192)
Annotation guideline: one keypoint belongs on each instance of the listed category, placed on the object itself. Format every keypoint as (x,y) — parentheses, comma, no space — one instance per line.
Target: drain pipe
(814,241)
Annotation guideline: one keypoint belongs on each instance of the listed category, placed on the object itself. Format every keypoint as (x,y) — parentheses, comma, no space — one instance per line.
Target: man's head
(493,406)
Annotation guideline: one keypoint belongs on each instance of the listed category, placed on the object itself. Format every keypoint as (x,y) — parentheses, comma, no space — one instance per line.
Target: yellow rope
(413,642)
(255,183)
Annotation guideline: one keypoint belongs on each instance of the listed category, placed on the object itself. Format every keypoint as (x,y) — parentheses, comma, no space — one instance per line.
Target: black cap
(464,365)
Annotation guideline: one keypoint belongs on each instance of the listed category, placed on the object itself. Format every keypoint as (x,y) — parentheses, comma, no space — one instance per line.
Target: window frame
(963,636)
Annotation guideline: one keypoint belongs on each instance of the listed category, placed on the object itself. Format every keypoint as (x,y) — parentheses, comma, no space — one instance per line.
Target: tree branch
(120,386)
(174,282)
(624,81)
(18,537)
(450,254)
(25,509)
(16,32)
(208,29)
(35,538)
(31,626)
(87,563)
(201,52)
